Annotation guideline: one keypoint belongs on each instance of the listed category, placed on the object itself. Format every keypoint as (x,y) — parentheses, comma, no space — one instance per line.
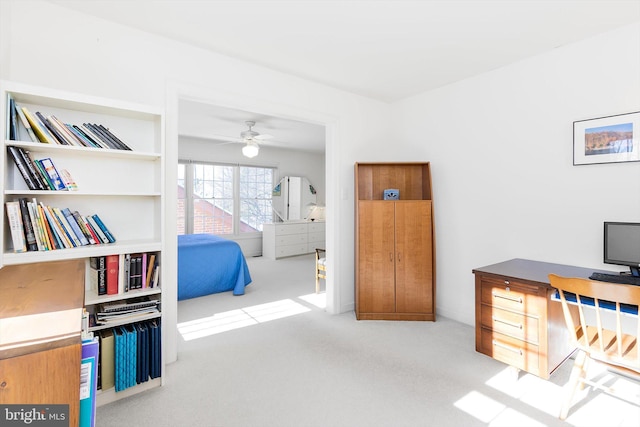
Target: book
(89,227)
(38,128)
(96,229)
(104,228)
(112,136)
(90,136)
(134,271)
(88,382)
(69,229)
(98,274)
(26,124)
(37,231)
(33,169)
(29,232)
(51,170)
(82,137)
(107,358)
(83,227)
(150,267)
(42,225)
(94,136)
(13,122)
(56,229)
(99,133)
(18,160)
(52,130)
(75,226)
(15,225)
(61,128)
(111,264)
(68,180)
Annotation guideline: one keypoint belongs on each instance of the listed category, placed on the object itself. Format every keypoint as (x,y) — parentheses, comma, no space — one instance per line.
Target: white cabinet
(124,187)
(283,239)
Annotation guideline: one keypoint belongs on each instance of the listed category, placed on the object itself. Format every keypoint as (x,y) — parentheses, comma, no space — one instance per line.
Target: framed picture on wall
(610,139)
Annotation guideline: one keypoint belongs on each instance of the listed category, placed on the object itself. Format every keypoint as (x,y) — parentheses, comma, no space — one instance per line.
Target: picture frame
(610,139)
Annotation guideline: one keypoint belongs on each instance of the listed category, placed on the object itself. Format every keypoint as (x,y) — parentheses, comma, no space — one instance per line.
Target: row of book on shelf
(40,174)
(126,355)
(25,125)
(35,226)
(116,274)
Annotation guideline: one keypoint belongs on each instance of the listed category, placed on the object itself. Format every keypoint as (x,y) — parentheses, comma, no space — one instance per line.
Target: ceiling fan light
(250,150)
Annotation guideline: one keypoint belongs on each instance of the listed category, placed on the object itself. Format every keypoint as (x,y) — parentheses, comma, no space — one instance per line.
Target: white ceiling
(386,50)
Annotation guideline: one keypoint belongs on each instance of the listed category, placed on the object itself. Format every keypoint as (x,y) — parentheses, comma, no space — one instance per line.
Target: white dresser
(283,239)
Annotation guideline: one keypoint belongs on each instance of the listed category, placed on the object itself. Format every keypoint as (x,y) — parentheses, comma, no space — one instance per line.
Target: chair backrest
(596,303)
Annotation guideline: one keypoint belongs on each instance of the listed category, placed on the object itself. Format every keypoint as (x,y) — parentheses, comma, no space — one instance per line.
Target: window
(223,199)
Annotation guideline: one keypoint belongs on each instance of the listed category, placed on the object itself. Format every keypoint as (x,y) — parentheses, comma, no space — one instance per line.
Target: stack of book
(41,174)
(36,127)
(37,227)
(125,311)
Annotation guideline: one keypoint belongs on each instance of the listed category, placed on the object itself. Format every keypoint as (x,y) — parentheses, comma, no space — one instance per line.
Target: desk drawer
(509,323)
(511,351)
(511,296)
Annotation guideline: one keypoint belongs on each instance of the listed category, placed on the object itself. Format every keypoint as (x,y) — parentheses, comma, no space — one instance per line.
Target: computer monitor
(622,245)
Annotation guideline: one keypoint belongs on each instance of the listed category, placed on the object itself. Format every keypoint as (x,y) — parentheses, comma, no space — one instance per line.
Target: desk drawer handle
(507,347)
(514,325)
(518,300)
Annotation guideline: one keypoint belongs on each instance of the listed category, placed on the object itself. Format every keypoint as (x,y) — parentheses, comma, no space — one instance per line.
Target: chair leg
(317,284)
(578,373)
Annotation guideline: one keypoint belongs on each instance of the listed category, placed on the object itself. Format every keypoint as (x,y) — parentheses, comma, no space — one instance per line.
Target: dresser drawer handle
(514,325)
(518,300)
(507,347)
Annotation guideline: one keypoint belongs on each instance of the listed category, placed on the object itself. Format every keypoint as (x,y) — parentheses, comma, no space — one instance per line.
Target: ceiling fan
(251,138)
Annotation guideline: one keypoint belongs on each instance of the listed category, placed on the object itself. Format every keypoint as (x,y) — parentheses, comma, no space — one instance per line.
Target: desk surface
(535,271)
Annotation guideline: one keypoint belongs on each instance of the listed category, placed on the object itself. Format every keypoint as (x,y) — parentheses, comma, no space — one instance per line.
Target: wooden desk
(516,320)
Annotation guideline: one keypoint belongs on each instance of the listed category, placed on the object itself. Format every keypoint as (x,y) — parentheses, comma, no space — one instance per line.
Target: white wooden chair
(610,346)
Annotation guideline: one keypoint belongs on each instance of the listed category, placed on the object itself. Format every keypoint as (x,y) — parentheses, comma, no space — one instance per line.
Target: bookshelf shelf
(124,187)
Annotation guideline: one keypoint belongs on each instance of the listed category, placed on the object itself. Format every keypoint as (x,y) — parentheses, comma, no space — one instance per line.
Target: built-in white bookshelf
(124,187)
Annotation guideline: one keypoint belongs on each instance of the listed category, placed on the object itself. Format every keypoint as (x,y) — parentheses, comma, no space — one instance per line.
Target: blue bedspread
(209,264)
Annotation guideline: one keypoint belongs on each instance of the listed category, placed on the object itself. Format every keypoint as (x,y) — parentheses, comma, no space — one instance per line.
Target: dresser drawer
(509,323)
(511,351)
(291,239)
(282,229)
(512,296)
(290,250)
(316,237)
(316,227)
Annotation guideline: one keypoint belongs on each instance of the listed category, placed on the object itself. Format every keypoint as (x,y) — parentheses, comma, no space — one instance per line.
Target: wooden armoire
(395,245)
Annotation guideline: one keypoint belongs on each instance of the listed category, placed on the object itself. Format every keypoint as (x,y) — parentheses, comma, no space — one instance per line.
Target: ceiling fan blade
(263,137)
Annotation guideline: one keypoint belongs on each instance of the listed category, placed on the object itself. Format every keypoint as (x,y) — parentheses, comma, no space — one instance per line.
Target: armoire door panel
(414,272)
(376,293)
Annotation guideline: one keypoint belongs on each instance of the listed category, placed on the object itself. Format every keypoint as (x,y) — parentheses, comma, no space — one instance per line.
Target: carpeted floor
(273,357)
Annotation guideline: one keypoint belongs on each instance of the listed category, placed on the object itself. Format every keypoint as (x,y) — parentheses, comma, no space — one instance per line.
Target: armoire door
(376,257)
(414,272)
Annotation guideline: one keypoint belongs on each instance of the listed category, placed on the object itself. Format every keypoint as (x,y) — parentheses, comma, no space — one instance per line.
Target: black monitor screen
(622,244)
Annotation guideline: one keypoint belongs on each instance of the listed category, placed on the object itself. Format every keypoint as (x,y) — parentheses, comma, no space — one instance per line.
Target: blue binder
(120,351)
(131,355)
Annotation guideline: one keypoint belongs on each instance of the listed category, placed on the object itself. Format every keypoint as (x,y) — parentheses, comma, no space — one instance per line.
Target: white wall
(286,162)
(500,144)
(501,147)
(47,45)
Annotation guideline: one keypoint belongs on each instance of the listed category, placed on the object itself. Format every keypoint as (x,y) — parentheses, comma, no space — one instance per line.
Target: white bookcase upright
(125,188)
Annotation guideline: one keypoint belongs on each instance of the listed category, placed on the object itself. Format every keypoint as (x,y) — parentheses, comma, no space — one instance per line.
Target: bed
(209,264)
